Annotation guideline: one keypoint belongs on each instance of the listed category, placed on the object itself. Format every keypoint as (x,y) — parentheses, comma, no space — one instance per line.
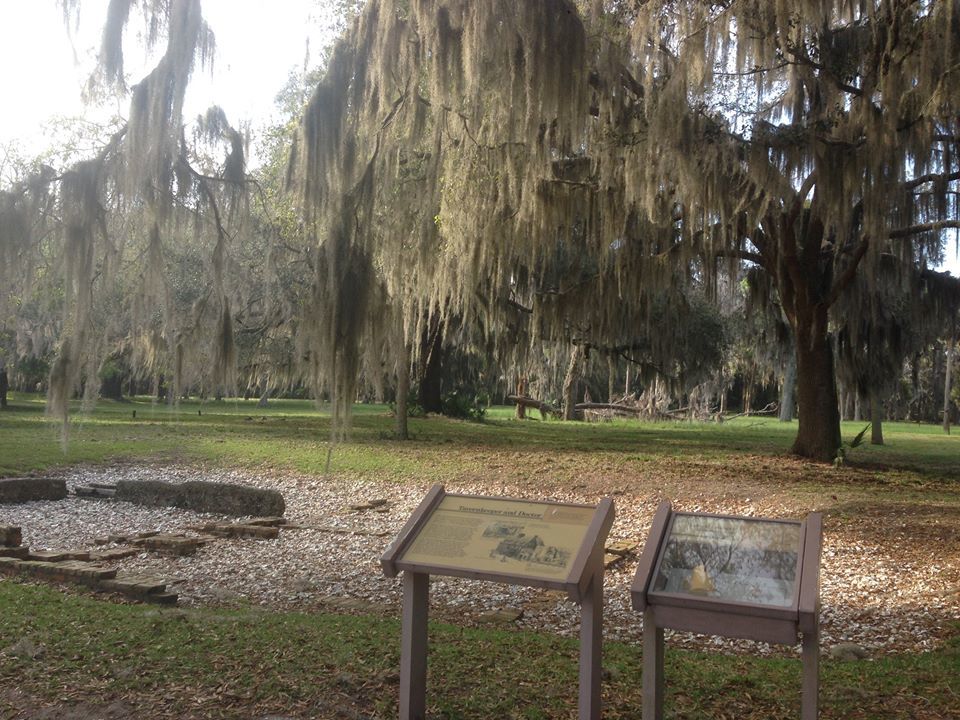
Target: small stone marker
(503,616)
(610,559)
(369,505)
(621,547)
(10,535)
(848,651)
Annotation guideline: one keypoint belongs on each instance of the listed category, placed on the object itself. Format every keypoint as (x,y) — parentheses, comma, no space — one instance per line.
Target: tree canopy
(458,155)
(526,174)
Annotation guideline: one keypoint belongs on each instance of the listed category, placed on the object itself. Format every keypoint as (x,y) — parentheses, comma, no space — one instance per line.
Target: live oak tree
(453,144)
(457,154)
(115,228)
(840,147)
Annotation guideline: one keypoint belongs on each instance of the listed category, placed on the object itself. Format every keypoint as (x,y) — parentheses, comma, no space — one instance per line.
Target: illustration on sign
(730,559)
(517,545)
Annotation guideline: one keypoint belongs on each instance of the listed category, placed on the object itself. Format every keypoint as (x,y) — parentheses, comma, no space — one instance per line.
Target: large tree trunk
(946,385)
(403,392)
(5,385)
(611,376)
(264,392)
(521,392)
(876,417)
(574,370)
(818,434)
(431,377)
(788,398)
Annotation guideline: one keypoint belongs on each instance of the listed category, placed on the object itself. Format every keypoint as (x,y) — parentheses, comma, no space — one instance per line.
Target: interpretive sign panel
(754,578)
(730,559)
(501,537)
(522,542)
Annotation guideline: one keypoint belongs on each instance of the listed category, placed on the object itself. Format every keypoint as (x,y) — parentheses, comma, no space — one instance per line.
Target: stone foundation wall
(21,490)
(220,498)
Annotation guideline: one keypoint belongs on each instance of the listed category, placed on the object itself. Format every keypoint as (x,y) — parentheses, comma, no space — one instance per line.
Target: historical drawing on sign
(530,549)
(502,529)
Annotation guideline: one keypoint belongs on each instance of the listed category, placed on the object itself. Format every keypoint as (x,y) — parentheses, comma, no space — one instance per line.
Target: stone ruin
(91,568)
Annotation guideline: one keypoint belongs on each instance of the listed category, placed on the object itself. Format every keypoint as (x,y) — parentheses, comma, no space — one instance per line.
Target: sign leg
(591,641)
(413,647)
(652,668)
(810,695)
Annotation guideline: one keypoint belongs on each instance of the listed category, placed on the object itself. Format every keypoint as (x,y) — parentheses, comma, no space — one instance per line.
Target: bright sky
(45,67)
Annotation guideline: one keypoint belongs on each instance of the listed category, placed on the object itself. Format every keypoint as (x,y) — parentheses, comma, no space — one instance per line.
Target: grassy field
(293,435)
(103,657)
(248,663)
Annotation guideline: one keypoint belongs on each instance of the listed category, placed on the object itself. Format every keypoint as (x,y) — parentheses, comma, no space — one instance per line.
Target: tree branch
(922,228)
(850,273)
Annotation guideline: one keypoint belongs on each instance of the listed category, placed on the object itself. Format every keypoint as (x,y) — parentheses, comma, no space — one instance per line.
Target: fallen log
(633,410)
(544,408)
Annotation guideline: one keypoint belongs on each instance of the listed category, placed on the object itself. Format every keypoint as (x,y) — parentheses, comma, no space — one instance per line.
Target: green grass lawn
(248,662)
(293,435)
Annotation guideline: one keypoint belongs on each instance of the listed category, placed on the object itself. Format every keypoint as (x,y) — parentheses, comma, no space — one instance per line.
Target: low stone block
(199,496)
(20,552)
(51,556)
(502,616)
(348,603)
(621,547)
(9,565)
(21,490)
(10,535)
(135,584)
(87,572)
(267,521)
(115,554)
(169,544)
(37,567)
(83,555)
(370,505)
(162,598)
(244,530)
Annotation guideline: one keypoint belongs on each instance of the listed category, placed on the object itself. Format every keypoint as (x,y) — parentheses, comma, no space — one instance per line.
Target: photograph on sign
(732,559)
(501,536)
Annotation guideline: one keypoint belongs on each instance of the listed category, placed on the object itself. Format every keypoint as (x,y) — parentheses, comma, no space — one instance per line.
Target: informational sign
(753,578)
(538,544)
(501,536)
(741,560)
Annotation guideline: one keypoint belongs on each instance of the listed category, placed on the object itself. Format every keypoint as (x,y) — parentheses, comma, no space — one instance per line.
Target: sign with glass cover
(727,559)
(753,578)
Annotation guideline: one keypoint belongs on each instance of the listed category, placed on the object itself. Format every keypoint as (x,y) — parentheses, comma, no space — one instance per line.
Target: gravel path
(884,596)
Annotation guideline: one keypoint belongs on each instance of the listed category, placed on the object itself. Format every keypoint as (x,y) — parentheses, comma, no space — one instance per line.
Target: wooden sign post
(752,578)
(520,542)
